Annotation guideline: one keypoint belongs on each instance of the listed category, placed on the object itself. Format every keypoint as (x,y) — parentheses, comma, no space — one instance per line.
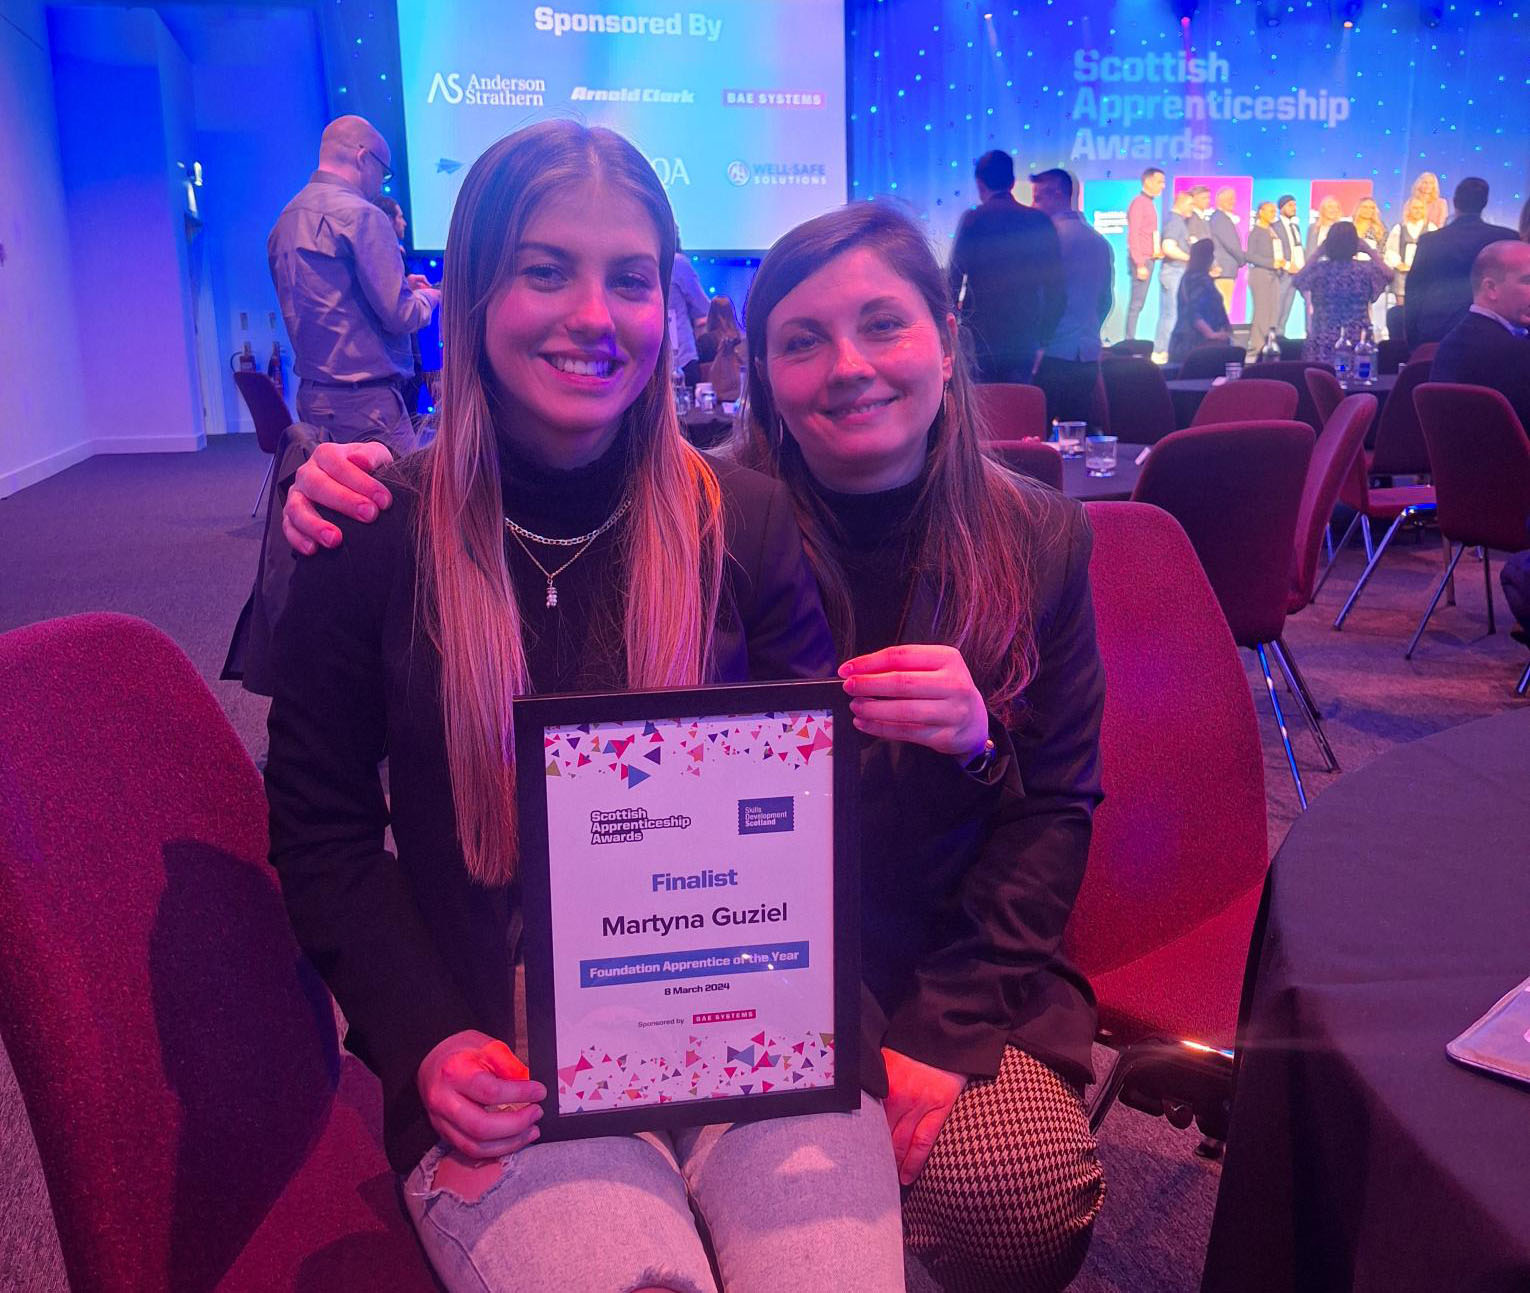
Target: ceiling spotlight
(1349,11)
(1184,10)
(1271,12)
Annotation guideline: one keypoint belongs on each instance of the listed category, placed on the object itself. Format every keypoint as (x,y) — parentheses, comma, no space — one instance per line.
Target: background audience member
(1223,224)
(1265,256)
(687,314)
(1524,222)
(720,347)
(1341,284)
(411,388)
(1142,245)
(1402,245)
(1175,245)
(347,304)
(1201,317)
(1489,346)
(1440,282)
(1006,276)
(1288,230)
(1070,366)
(1427,189)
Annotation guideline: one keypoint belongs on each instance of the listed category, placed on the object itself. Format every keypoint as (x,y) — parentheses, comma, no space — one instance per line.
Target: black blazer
(968,884)
(1012,260)
(1440,282)
(1482,352)
(1229,253)
(412,949)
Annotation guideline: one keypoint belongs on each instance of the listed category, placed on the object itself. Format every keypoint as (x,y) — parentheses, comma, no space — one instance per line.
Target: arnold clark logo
(741,173)
(630,94)
(765,816)
(495,91)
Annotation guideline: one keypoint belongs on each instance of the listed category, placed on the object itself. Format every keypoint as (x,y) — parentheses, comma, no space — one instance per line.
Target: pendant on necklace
(552,594)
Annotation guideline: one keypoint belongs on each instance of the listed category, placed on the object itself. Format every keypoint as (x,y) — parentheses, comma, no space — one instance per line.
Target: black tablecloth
(1187,395)
(1398,911)
(1078,483)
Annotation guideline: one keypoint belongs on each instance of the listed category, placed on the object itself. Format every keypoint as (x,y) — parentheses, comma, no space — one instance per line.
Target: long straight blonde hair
(969,510)
(672,538)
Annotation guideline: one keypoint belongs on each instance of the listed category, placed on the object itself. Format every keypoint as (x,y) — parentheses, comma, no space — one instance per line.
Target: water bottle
(1270,351)
(682,393)
(1365,358)
(1343,356)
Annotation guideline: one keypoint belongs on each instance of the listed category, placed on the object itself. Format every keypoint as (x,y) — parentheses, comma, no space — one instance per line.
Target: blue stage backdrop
(1106,87)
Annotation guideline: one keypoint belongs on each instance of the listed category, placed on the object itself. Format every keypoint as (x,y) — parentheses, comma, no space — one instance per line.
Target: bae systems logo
(495,91)
(742,173)
(773,98)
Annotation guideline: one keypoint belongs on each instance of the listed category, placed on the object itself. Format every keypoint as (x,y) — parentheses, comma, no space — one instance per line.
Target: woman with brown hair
(559,535)
(960,594)
(1372,232)
(721,349)
(1341,284)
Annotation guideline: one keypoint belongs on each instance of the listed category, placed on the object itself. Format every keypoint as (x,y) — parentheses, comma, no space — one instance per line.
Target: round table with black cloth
(1187,394)
(1397,912)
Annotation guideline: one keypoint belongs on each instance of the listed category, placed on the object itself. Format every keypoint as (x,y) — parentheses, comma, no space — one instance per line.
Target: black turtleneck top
(412,949)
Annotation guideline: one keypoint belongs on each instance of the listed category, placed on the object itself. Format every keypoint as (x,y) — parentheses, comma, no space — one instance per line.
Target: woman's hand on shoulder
(339,477)
(919,1100)
(918,692)
(479,1096)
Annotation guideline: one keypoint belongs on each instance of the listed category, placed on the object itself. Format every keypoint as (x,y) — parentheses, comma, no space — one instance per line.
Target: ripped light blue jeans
(806,1203)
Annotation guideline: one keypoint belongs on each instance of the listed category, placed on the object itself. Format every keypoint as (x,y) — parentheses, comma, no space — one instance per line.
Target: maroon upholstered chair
(1325,390)
(1011,411)
(1210,361)
(1141,409)
(196,1124)
(271,416)
(1423,353)
(1293,371)
(1249,399)
(1034,458)
(1236,488)
(1134,349)
(1481,464)
(1398,442)
(1178,853)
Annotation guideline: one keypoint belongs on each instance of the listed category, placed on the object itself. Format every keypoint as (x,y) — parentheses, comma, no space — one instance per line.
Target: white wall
(42,416)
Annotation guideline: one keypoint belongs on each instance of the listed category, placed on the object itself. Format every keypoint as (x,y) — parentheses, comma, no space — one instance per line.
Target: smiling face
(1330,210)
(573,333)
(857,367)
(1288,208)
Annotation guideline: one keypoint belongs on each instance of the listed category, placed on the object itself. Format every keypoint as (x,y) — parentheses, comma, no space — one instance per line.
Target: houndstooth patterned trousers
(1009,1195)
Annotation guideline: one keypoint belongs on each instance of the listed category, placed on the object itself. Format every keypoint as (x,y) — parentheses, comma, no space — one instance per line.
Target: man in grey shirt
(348,305)
(1070,367)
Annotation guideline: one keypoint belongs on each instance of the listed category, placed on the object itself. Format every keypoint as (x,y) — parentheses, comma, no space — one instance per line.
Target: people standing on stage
(1006,275)
(1402,245)
(1199,220)
(1223,224)
(1330,212)
(1490,345)
(1340,283)
(1070,366)
(1265,257)
(1372,231)
(1288,232)
(1427,188)
(1175,245)
(1201,318)
(1142,246)
(348,305)
(1440,283)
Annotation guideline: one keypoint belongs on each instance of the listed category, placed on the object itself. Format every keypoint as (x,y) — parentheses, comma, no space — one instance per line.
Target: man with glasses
(349,307)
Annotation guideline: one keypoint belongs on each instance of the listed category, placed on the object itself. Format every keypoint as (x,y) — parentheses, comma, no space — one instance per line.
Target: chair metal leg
(1370,568)
(1524,682)
(1334,550)
(1328,542)
(1287,661)
(270,467)
(1487,576)
(1280,722)
(1450,583)
(1435,600)
(1365,530)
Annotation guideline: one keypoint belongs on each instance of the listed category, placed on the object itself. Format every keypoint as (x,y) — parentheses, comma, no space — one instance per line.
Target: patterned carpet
(169,537)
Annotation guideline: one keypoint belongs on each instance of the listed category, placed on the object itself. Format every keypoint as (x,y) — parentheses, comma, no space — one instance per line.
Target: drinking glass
(1232,372)
(1070,437)
(1100,455)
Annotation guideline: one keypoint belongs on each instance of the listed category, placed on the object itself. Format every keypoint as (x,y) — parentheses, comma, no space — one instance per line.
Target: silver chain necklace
(520,534)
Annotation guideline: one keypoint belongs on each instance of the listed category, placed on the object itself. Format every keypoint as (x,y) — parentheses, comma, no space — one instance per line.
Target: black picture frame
(533,715)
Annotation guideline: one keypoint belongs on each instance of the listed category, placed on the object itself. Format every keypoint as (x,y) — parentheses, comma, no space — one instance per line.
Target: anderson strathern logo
(495,91)
(626,825)
(742,173)
(765,816)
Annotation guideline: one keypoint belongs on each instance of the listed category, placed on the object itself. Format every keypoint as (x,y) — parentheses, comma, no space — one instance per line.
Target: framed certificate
(692,909)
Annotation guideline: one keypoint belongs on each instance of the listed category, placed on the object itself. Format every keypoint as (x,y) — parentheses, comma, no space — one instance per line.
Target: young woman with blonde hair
(960,594)
(559,535)
(1436,208)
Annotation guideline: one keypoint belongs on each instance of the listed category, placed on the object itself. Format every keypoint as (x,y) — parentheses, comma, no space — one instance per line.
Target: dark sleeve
(1016,897)
(346,895)
(1226,233)
(957,268)
(1261,249)
(1419,287)
(1047,252)
(1107,281)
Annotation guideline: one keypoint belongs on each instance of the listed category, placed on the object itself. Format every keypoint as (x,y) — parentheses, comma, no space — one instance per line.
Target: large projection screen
(738,105)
